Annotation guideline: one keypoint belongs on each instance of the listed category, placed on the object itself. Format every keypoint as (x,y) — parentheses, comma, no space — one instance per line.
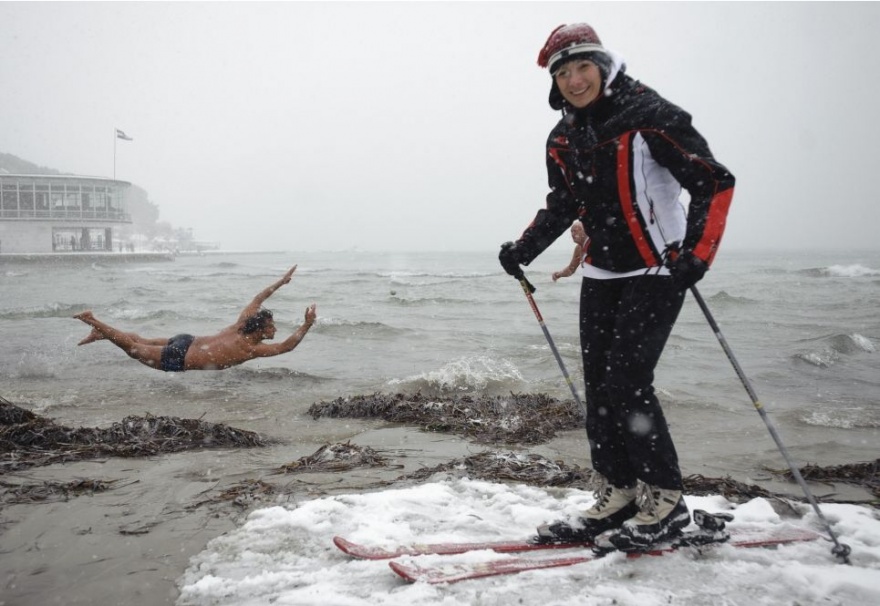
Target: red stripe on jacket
(714,228)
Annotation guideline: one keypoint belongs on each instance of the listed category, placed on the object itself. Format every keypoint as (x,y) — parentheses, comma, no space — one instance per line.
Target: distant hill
(14,165)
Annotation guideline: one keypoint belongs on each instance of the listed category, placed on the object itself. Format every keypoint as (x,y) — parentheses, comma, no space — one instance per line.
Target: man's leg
(146,351)
(97,335)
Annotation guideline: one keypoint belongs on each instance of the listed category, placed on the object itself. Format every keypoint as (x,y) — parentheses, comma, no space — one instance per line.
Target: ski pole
(529,289)
(840,550)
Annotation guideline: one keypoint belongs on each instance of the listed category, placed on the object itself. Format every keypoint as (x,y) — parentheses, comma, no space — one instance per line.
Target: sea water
(804,326)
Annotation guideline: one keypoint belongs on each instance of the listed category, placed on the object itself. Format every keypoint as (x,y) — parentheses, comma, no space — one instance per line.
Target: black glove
(510,260)
(686,269)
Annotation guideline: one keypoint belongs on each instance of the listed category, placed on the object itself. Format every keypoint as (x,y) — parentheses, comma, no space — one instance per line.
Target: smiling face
(580,82)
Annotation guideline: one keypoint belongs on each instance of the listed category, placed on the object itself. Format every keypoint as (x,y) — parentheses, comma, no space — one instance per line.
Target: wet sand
(130,544)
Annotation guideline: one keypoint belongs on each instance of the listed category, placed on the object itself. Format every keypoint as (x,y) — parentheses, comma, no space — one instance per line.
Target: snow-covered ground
(285,555)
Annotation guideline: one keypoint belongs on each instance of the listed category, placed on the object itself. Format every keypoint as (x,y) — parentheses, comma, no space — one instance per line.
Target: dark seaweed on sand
(28,439)
(531,469)
(866,475)
(45,492)
(335,457)
(513,419)
(536,470)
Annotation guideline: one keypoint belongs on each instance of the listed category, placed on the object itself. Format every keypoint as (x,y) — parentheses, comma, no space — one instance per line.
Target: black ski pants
(624,325)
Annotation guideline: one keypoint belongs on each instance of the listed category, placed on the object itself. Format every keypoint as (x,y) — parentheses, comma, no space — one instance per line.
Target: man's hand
(286,278)
(510,260)
(311,313)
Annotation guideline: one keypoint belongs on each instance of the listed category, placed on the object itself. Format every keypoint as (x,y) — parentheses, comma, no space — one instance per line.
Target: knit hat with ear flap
(569,42)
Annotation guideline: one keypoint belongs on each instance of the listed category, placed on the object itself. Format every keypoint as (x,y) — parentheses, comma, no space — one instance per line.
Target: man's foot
(93,336)
(662,516)
(89,318)
(86,316)
(612,508)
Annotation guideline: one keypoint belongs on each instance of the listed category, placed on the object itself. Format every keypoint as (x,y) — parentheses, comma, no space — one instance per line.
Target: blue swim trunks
(174,353)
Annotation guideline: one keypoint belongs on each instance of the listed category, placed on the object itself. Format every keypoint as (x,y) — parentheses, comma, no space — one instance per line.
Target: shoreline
(132,543)
(87,257)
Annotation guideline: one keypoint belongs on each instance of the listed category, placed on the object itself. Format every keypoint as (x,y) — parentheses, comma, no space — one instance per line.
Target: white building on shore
(60,213)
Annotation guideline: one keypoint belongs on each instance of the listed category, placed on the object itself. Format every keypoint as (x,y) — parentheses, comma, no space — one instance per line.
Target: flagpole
(115,136)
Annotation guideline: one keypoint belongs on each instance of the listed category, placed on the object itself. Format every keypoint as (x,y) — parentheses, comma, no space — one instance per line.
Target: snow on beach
(285,555)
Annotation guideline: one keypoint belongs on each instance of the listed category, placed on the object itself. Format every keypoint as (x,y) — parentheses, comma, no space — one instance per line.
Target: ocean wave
(50,310)
(468,374)
(345,328)
(562,346)
(844,418)
(178,279)
(35,365)
(723,297)
(139,314)
(143,291)
(835,347)
(416,302)
(271,375)
(841,271)
(419,278)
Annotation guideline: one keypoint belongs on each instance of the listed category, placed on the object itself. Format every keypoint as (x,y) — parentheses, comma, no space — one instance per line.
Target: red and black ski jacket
(620,165)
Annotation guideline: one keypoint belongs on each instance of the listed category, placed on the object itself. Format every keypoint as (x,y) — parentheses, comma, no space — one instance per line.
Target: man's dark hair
(256,322)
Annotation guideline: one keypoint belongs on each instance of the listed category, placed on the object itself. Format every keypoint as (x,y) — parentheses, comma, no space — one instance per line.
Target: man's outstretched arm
(254,306)
(264,350)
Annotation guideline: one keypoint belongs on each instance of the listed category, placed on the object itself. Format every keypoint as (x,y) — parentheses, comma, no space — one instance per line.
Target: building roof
(62,178)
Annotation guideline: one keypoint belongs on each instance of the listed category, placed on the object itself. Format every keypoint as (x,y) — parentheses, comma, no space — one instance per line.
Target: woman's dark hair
(256,322)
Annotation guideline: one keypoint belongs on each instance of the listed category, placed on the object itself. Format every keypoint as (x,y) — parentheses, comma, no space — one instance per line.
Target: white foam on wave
(467,373)
(841,344)
(842,418)
(851,271)
(863,343)
(822,359)
(35,365)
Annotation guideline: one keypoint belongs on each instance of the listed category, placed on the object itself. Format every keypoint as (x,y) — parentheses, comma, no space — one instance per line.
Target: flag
(123,136)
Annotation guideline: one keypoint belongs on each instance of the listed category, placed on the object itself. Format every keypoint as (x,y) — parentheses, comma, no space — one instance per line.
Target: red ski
(377,553)
(452,572)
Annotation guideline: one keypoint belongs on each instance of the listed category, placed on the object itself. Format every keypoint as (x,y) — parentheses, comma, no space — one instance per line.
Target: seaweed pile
(513,419)
(44,492)
(536,470)
(28,439)
(243,494)
(336,457)
(730,489)
(866,475)
(530,469)
(330,458)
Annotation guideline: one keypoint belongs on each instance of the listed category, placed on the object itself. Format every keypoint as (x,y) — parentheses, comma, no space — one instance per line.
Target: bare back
(227,348)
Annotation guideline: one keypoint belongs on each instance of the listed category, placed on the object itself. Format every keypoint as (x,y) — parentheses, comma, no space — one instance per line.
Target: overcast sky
(421,126)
